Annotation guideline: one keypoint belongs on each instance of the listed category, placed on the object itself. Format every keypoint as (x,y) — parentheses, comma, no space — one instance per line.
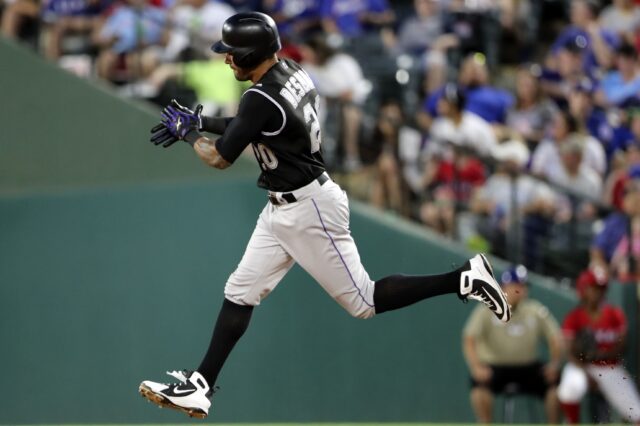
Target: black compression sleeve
(256,114)
(192,137)
(216,125)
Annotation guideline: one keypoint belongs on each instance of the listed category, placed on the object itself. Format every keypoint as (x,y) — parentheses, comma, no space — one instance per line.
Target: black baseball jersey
(278,116)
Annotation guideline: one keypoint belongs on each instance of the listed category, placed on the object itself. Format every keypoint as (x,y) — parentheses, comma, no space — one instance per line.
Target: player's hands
(160,135)
(481,373)
(197,114)
(179,123)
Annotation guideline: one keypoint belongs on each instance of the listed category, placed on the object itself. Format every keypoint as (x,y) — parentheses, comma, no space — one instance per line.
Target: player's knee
(361,312)
(571,390)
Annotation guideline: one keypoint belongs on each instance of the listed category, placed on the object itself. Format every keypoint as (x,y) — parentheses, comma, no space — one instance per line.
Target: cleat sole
(162,402)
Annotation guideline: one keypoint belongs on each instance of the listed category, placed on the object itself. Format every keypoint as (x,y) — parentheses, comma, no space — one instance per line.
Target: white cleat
(190,395)
(478,283)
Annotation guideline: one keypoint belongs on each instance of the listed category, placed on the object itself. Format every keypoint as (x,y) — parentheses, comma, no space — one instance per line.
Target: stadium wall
(113,258)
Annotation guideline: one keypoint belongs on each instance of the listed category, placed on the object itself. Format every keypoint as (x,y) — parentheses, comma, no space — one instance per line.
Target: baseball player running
(306,218)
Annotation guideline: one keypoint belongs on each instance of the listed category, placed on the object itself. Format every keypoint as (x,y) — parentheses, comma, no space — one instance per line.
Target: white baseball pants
(615,383)
(314,232)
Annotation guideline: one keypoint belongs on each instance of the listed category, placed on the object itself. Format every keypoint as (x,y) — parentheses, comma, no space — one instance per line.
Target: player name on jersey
(298,85)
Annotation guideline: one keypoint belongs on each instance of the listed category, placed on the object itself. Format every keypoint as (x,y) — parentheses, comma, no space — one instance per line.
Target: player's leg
(316,233)
(618,388)
(572,388)
(263,265)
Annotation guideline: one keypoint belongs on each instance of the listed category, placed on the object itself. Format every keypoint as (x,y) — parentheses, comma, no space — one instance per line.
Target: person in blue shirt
(245,5)
(486,101)
(622,85)
(599,44)
(617,224)
(567,71)
(63,17)
(604,125)
(295,18)
(132,25)
(352,18)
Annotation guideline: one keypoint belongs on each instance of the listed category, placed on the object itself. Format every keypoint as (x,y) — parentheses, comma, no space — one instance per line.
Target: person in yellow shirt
(506,354)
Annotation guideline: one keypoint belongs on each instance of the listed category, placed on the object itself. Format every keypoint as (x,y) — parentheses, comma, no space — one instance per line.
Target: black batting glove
(160,135)
(186,112)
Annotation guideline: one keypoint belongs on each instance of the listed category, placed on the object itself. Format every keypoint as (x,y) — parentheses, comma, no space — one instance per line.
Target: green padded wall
(60,131)
(101,289)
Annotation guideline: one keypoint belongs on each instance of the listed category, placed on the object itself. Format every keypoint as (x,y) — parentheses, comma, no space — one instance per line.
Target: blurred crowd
(512,126)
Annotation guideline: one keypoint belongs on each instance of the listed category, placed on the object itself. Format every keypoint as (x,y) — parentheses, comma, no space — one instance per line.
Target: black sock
(232,322)
(398,291)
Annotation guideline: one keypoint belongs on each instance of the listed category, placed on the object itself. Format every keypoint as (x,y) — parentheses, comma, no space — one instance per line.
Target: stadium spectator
(520,22)
(423,37)
(452,173)
(582,182)
(618,223)
(505,356)
(69,17)
(621,17)
(532,110)
(486,101)
(194,26)
(17,15)
(388,188)
(132,26)
(508,196)
(596,334)
(339,80)
(352,18)
(245,5)
(574,173)
(626,257)
(622,85)
(546,160)
(623,163)
(599,43)
(449,180)
(296,19)
(477,26)
(602,124)
(566,71)
(457,125)
(209,78)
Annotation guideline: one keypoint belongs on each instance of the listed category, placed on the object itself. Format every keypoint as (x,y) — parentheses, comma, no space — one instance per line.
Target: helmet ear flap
(244,57)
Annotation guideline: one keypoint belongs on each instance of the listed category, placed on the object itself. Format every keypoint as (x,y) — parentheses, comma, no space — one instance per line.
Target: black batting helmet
(251,37)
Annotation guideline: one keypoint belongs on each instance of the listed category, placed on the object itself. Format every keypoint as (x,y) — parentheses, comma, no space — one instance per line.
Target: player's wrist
(192,136)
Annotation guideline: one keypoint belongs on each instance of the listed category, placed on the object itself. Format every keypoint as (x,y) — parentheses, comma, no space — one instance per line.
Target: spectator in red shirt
(596,333)
(450,180)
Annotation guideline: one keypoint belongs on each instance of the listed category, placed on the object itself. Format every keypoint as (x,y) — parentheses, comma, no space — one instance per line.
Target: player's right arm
(207,151)
(256,114)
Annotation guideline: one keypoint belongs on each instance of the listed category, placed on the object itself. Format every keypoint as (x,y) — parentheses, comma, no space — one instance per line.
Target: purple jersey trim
(340,254)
